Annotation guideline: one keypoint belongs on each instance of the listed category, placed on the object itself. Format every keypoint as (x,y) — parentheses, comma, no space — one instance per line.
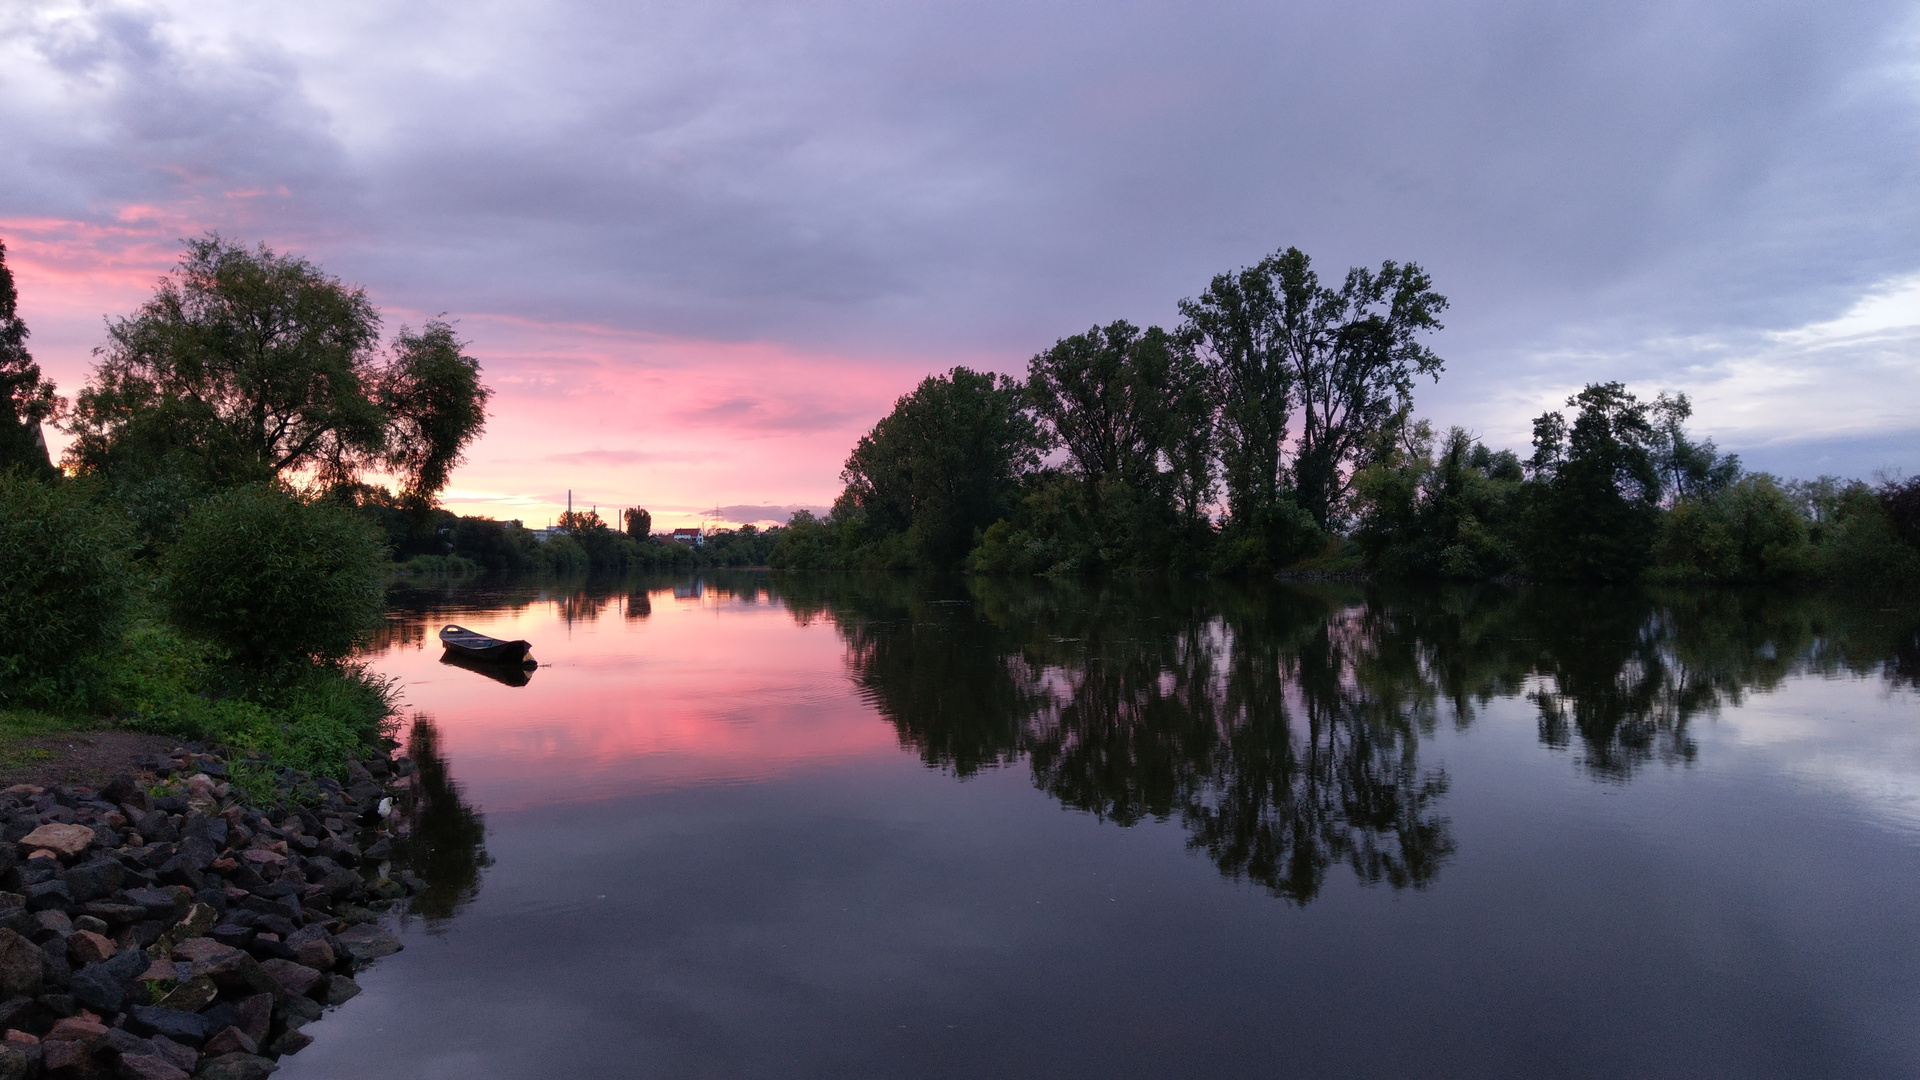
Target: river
(753,825)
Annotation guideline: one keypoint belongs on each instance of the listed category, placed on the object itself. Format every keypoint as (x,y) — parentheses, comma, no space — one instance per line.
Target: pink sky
(675,424)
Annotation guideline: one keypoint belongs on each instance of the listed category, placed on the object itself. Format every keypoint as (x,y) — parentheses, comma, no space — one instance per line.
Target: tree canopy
(1281,346)
(943,465)
(248,365)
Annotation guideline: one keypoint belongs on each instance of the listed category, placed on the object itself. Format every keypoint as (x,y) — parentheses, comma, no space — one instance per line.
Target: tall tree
(1353,352)
(943,465)
(1599,511)
(1235,332)
(1108,396)
(1130,406)
(247,364)
(639,523)
(1688,469)
(26,399)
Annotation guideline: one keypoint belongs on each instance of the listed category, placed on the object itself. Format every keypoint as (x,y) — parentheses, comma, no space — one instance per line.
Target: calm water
(749,826)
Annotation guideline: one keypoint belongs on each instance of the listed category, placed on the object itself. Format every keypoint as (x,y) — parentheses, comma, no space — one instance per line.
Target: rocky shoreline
(161,927)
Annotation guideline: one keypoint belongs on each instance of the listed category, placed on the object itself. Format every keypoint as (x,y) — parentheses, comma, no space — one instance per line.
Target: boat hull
(464,643)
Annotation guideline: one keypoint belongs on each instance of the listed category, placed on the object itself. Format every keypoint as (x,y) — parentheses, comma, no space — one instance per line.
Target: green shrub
(1273,540)
(1748,532)
(1859,542)
(274,580)
(65,593)
(311,720)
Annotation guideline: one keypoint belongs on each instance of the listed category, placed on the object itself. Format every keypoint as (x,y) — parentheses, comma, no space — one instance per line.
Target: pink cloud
(619,416)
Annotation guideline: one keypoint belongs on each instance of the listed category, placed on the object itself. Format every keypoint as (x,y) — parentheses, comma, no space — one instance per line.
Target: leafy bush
(1858,541)
(65,592)
(311,721)
(1281,535)
(1748,532)
(275,580)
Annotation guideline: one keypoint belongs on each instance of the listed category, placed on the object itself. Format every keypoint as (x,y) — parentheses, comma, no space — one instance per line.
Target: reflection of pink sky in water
(704,690)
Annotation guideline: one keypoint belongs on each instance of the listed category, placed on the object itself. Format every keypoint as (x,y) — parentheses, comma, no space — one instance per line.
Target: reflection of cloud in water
(1838,737)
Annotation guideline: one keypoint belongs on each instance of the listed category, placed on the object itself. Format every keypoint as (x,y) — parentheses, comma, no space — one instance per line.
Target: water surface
(766,826)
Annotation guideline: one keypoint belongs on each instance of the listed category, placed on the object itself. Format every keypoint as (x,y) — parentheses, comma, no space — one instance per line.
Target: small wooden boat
(511,674)
(462,642)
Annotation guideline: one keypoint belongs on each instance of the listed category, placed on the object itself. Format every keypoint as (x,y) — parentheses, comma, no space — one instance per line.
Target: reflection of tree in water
(1282,726)
(1142,701)
(445,841)
(1341,783)
(398,632)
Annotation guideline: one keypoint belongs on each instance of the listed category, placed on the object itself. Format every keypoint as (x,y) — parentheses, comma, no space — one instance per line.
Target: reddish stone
(294,978)
(87,947)
(230,1040)
(148,1067)
(73,1028)
(63,1054)
(66,841)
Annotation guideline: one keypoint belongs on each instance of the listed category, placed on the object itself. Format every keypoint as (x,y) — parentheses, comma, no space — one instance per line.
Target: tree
(26,399)
(639,523)
(248,365)
(1108,396)
(1278,344)
(1600,508)
(1234,332)
(1353,353)
(942,466)
(579,521)
(275,580)
(1688,469)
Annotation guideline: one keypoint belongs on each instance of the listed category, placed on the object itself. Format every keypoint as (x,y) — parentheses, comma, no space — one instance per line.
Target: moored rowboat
(462,642)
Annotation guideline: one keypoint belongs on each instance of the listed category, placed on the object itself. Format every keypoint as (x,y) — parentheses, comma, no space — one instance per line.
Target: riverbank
(191,915)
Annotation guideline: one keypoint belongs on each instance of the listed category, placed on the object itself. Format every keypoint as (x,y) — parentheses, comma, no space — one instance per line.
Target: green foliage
(65,592)
(272,579)
(1856,539)
(248,365)
(434,405)
(1901,501)
(1270,539)
(1747,532)
(1279,343)
(26,398)
(940,468)
(312,719)
(806,544)
(1454,515)
(1596,511)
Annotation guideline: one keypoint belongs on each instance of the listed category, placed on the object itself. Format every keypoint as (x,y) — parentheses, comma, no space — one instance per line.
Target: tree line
(1272,429)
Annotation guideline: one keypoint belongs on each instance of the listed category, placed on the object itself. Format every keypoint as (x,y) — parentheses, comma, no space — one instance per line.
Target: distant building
(690,537)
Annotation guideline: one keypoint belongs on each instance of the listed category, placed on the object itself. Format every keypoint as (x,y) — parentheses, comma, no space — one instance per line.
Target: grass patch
(309,716)
(17,726)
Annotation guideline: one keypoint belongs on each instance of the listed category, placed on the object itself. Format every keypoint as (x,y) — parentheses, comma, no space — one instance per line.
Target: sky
(700,248)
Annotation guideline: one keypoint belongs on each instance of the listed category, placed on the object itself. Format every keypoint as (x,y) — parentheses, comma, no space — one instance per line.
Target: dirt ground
(79,757)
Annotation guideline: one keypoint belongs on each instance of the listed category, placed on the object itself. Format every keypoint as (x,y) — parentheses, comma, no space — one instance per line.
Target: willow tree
(247,365)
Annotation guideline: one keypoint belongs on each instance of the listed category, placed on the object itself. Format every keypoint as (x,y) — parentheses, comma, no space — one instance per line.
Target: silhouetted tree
(26,399)
(1599,509)
(248,365)
(942,466)
(1354,352)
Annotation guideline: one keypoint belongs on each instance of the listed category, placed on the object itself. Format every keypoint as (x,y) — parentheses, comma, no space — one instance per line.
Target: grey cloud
(983,178)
